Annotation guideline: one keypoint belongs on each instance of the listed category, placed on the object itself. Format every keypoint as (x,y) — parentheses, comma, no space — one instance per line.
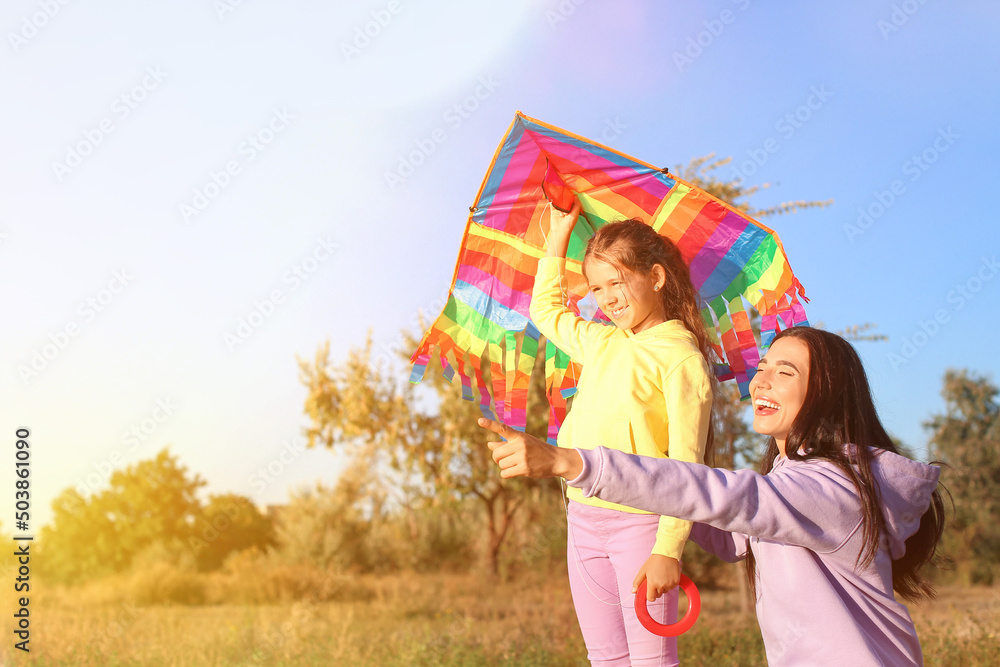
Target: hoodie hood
(905,487)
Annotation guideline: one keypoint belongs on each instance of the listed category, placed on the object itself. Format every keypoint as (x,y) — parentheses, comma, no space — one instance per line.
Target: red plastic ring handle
(673,629)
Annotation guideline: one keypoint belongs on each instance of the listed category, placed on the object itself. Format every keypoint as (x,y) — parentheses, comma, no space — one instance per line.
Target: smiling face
(778,390)
(630,299)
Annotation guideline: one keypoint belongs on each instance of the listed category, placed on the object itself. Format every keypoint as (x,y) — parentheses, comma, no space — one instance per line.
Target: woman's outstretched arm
(813,505)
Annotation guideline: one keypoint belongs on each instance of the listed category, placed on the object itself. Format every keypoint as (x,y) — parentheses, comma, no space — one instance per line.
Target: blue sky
(173,169)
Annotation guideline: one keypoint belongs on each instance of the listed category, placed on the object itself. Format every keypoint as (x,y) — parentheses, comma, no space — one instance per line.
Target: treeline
(148,538)
(151,535)
(356,406)
(966,437)
(150,511)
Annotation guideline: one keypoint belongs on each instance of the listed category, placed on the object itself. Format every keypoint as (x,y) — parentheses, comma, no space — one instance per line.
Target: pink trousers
(605,549)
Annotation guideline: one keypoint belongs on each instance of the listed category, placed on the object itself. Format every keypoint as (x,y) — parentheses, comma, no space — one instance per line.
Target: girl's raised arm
(548,309)
(560,229)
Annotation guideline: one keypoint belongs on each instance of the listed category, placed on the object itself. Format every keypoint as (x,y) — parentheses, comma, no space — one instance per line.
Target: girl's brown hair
(636,246)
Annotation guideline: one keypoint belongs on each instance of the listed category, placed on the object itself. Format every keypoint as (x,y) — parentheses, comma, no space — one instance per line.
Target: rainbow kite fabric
(733,259)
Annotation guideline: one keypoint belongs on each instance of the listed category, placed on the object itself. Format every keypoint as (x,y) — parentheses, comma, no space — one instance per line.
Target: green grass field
(427,620)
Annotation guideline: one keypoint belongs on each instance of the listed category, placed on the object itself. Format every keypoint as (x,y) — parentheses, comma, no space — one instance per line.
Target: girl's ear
(659,276)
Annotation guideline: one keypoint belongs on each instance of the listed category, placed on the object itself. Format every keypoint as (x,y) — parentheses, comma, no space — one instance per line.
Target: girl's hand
(563,223)
(524,455)
(661,573)
(560,227)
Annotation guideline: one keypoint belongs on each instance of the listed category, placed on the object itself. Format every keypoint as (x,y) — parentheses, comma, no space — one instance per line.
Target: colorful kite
(734,261)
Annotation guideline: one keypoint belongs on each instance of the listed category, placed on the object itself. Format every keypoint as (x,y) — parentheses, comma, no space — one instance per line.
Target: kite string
(541,228)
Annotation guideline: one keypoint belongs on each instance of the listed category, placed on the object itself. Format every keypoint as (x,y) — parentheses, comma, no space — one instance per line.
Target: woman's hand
(560,228)
(661,573)
(524,455)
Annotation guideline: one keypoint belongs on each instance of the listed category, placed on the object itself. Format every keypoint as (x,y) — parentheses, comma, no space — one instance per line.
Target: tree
(437,452)
(700,172)
(330,527)
(227,524)
(152,501)
(967,438)
(736,445)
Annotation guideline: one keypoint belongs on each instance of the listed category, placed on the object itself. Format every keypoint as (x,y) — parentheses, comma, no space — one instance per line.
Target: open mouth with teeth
(618,312)
(763,407)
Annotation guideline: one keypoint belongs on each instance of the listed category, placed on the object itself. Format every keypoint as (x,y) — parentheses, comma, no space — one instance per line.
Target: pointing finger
(501,429)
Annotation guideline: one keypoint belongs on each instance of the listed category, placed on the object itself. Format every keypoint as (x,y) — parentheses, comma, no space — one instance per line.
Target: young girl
(645,389)
(836,520)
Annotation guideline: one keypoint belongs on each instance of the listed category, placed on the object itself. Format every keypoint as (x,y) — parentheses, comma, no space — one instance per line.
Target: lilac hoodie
(803,523)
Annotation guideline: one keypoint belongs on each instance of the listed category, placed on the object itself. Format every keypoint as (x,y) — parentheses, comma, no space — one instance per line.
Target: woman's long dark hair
(838,410)
(638,247)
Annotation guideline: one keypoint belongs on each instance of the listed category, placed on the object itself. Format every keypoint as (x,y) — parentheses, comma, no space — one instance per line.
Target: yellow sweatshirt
(647,393)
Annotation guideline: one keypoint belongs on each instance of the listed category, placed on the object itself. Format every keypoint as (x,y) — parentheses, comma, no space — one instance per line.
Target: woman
(836,520)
